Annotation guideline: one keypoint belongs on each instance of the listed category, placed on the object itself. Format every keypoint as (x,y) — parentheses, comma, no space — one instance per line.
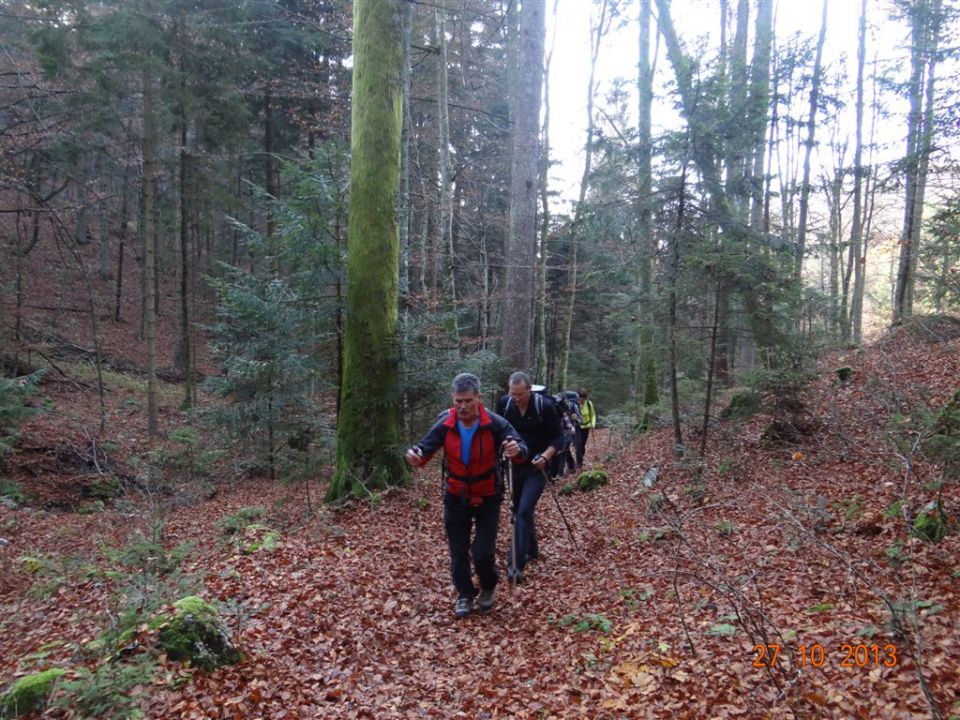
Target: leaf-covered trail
(657,615)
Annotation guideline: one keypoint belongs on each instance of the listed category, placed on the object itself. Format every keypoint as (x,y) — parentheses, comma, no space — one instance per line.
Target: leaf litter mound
(656,612)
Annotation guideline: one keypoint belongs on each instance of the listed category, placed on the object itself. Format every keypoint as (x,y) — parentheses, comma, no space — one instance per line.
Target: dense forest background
(176,175)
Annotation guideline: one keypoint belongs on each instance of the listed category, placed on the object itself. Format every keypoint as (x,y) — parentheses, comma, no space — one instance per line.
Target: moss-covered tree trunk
(368,431)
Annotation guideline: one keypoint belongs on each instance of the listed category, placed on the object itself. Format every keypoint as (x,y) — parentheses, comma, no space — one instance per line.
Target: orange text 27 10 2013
(849,656)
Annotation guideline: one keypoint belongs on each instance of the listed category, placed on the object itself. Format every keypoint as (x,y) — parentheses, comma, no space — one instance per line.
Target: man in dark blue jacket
(471,438)
(537,419)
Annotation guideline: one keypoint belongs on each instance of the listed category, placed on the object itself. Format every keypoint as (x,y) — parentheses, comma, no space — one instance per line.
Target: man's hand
(510,448)
(414,457)
(539,462)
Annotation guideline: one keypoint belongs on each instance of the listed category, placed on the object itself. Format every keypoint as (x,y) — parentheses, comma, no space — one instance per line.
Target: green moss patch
(29,693)
(257,537)
(194,632)
(592,479)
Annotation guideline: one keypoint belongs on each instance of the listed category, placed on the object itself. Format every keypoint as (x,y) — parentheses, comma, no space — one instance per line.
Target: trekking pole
(560,508)
(512,565)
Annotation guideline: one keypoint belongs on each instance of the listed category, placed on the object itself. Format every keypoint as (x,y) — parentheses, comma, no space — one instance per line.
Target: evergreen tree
(275,337)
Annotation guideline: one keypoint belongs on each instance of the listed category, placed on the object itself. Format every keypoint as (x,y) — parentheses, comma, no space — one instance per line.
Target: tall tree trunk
(811,133)
(540,365)
(149,247)
(597,33)
(710,367)
(833,238)
(932,19)
(759,100)
(271,166)
(405,210)
(738,143)
(185,344)
(646,387)
(19,254)
(517,311)
(869,204)
(368,431)
(901,309)
(444,229)
(484,320)
(103,232)
(856,230)
(672,317)
(121,244)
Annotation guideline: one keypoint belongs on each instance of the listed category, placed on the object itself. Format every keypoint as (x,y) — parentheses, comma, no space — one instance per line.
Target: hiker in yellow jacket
(589,422)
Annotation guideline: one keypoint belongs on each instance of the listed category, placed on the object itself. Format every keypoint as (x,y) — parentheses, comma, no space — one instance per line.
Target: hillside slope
(656,610)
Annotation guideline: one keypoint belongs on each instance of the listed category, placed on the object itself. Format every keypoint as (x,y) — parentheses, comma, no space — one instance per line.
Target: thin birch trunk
(856,230)
(811,134)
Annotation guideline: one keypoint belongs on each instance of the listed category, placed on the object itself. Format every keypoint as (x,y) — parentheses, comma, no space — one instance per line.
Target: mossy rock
(592,479)
(231,524)
(106,487)
(90,508)
(844,374)
(257,537)
(29,693)
(194,632)
(742,405)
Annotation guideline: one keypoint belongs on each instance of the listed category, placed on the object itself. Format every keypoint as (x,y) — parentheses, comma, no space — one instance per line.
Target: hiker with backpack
(569,405)
(537,419)
(473,440)
(588,423)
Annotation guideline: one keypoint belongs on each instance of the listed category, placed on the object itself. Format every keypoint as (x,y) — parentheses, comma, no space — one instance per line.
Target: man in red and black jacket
(472,440)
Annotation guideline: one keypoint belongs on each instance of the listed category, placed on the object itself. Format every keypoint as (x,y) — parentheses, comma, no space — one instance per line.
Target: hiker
(472,439)
(537,419)
(587,424)
(569,405)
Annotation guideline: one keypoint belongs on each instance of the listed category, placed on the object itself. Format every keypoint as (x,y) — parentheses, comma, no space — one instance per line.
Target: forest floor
(658,610)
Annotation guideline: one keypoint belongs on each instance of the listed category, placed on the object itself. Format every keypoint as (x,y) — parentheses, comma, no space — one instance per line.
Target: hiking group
(528,442)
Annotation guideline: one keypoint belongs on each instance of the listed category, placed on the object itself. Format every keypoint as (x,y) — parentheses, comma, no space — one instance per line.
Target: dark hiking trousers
(458,519)
(582,435)
(527,491)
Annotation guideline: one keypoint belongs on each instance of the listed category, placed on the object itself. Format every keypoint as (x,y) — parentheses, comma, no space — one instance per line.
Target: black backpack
(569,402)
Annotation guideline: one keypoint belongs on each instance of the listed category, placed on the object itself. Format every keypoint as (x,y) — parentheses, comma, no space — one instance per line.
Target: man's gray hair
(465,382)
(521,377)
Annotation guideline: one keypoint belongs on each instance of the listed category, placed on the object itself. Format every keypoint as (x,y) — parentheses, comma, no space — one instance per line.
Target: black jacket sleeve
(503,430)
(433,440)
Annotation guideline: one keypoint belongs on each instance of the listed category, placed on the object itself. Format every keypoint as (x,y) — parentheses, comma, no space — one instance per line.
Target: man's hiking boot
(464,606)
(486,600)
